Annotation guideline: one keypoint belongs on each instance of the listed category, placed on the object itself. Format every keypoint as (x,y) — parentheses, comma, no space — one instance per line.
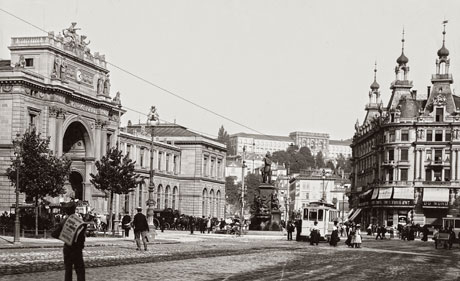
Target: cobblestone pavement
(252,259)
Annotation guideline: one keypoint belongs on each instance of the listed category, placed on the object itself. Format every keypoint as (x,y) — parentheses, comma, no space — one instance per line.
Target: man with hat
(141,228)
(73,255)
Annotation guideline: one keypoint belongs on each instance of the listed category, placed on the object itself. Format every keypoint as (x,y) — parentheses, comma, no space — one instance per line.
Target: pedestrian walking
(425,233)
(209,225)
(141,228)
(192,224)
(126,224)
(290,228)
(451,237)
(358,239)
(298,228)
(314,234)
(334,235)
(162,224)
(73,255)
(379,233)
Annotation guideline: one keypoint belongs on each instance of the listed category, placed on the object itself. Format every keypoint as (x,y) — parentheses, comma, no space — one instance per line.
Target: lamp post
(243,166)
(153,116)
(323,176)
(17,151)
(343,205)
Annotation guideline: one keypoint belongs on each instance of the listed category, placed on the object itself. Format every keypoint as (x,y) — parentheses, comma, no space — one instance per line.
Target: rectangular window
(390,175)
(428,155)
(32,121)
(404,174)
(438,135)
(305,213)
(404,154)
(108,145)
(29,62)
(313,215)
(141,157)
(429,135)
(320,215)
(392,136)
(437,175)
(447,158)
(447,174)
(219,164)
(439,114)
(404,135)
(167,162)
(438,156)
(213,161)
(448,136)
(205,166)
(128,151)
(391,155)
(428,175)
(175,164)
(160,160)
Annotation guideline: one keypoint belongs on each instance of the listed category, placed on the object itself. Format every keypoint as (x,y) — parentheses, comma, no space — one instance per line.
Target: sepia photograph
(229,140)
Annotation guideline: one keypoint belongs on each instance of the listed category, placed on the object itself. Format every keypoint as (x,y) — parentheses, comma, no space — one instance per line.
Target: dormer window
(29,62)
(439,114)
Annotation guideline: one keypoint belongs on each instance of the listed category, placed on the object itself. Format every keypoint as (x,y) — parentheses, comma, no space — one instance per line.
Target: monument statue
(267,169)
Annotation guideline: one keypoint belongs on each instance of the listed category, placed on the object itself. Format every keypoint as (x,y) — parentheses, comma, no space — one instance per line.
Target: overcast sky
(275,66)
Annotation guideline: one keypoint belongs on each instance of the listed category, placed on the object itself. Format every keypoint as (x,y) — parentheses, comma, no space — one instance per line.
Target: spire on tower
(402,58)
(443,52)
(375,85)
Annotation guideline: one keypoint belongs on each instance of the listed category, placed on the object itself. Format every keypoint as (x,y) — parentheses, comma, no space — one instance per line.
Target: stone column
(59,133)
(416,164)
(103,143)
(52,113)
(87,192)
(453,172)
(422,166)
(457,163)
(97,140)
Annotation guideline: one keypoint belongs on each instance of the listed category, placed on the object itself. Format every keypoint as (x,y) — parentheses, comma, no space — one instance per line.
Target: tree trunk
(109,221)
(36,217)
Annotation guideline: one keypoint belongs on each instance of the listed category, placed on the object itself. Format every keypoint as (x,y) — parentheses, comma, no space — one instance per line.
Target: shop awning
(350,213)
(403,193)
(385,192)
(435,197)
(375,193)
(355,214)
(364,194)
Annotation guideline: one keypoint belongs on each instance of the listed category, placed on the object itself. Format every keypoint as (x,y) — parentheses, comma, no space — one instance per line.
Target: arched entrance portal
(76,145)
(76,182)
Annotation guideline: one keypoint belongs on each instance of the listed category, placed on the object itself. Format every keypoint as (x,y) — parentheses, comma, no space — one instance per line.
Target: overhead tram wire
(153,84)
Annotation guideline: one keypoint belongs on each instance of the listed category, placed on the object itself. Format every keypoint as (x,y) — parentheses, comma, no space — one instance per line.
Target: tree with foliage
(40,173)
(297,159)
(224,137)
(319,159)
(115,174)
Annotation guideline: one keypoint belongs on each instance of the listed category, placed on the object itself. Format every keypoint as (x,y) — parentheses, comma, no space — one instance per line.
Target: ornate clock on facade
(79,75)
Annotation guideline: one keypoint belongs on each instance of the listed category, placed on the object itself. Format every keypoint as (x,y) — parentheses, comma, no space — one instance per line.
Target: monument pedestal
(268,215)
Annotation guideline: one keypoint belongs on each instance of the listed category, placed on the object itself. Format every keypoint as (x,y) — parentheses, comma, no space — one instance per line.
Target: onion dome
(375,85)
(402,59)
(443,52)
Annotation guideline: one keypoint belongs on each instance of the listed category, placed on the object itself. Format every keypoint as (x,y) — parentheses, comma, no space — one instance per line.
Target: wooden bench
(443,239)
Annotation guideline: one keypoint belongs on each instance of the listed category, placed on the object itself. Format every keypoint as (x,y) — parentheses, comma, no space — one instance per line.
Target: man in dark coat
(126,224)
(141,228)
(192,224)
(73,255)
(290,228)
(334,235)
(298,227)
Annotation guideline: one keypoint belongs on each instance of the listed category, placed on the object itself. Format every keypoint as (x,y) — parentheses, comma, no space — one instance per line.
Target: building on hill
(337,148)
(405,154)
(258,144)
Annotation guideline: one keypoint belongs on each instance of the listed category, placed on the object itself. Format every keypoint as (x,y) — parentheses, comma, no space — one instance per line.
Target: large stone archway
(77,145)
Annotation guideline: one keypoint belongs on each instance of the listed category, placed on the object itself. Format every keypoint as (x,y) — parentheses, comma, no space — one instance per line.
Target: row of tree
(41,174)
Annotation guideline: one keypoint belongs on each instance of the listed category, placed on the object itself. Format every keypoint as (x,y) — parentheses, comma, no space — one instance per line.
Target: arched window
(204,202)
(167,197)
(211,201)
(218,204)
(174,199)
(159,195)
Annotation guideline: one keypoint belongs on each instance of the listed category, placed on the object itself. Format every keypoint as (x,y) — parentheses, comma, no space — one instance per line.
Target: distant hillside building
(258,144)
(316,142)
(337,147)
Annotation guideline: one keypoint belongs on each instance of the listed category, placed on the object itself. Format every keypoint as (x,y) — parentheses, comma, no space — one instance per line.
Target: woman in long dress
(334,235)
(314,234)
(358,239)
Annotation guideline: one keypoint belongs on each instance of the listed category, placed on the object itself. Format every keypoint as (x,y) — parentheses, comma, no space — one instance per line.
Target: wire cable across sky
(154,85)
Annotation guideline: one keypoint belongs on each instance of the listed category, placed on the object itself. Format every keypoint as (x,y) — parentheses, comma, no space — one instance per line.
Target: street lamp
(152,116)
(17,151)
(323,176)
(243,166)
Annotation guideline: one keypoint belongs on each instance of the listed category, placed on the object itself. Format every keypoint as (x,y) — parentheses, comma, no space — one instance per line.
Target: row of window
(431,135)
(211,204)
(163,159)
(436,174)
(209,167)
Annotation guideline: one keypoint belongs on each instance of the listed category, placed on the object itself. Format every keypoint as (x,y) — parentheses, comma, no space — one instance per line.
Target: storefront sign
(435,204)
(393,202)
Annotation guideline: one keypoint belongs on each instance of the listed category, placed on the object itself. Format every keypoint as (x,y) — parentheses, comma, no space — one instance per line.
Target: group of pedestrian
(354,238)
(447,244)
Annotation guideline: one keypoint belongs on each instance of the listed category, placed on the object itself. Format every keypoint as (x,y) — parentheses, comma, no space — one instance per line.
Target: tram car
(324,213)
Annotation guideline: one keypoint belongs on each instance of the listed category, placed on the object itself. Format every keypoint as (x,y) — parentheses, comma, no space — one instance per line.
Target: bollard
(44,233)
(23,235)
